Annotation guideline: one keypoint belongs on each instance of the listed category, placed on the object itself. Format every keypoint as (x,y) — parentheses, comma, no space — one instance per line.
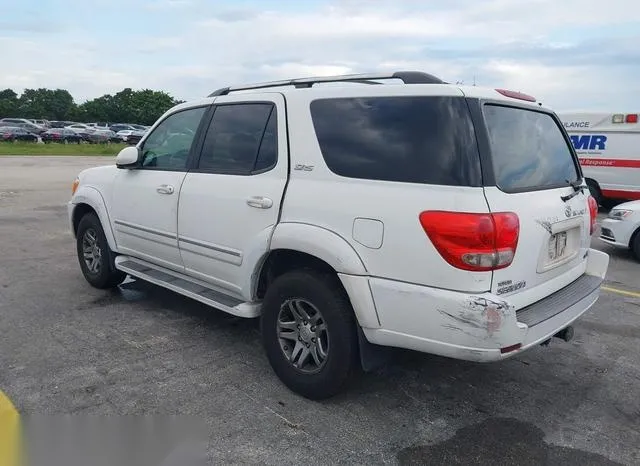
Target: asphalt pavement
(66,348)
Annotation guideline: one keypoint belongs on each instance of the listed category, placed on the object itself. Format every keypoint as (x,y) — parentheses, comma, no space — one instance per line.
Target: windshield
(529,150)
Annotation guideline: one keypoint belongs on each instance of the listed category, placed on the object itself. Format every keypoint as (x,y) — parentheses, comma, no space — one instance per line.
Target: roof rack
(407,77)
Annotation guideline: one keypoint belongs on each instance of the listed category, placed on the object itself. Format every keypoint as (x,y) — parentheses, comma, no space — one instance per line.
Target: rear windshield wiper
(577,188)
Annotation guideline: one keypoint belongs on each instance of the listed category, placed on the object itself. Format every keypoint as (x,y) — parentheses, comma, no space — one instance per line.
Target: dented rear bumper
(478,327)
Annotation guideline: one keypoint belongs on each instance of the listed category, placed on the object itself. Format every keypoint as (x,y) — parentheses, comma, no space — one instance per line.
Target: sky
(571,54)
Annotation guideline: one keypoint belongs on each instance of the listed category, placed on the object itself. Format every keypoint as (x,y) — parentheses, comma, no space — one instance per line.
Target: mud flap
(372,356)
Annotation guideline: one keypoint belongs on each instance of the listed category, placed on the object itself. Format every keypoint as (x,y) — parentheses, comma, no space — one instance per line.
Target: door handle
(165,189)
(259,202)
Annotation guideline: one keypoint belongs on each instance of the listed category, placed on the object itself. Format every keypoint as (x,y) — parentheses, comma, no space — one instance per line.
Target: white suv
(444,219)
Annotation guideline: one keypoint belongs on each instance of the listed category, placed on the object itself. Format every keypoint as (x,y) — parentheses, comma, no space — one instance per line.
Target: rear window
(427,140)
(529,150)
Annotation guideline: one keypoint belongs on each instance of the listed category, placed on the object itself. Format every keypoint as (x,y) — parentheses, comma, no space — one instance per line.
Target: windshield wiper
(577,188)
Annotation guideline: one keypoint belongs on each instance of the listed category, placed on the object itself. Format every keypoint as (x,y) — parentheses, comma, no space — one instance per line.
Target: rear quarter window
(410,139)
(528,150)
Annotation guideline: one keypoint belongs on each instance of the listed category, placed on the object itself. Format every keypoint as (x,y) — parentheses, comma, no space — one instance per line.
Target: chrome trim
(160,240)
(231,252)
(145,229)
(227,258)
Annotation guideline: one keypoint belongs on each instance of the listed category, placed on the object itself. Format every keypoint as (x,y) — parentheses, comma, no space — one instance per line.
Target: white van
(608,145)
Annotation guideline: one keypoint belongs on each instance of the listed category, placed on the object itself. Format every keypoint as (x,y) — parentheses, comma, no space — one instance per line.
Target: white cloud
(564,52)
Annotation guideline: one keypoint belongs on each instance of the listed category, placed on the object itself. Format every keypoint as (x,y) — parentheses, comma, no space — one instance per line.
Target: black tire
(595,192)
(635,245)
(105,274)
(324,292)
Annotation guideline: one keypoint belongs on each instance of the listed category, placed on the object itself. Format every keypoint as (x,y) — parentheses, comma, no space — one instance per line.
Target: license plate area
(557,247)
(561,247)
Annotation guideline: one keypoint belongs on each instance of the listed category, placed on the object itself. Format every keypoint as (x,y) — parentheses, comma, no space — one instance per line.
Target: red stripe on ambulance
(618,163)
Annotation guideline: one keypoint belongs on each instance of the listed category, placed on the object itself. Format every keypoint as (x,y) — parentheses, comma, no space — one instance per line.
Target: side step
(186,286)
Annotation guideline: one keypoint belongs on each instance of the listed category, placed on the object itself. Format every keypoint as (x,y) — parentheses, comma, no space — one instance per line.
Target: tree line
(127,106)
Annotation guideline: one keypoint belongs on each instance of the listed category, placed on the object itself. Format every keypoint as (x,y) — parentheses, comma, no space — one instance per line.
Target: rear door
(534,166)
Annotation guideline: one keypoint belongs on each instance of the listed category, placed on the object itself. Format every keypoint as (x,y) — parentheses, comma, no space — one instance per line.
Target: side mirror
(128,157)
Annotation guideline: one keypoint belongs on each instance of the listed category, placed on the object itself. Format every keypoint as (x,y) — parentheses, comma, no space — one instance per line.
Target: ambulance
(608,146)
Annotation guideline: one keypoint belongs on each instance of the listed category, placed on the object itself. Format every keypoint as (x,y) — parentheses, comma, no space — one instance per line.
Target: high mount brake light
(473,241)
(516,95)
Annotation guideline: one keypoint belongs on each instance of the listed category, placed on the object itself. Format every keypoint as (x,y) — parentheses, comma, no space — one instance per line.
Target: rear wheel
(95,256)
(595,192)
(309,333)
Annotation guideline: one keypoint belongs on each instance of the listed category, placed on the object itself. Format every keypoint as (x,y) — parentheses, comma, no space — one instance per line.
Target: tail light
(470,241)
(593,213)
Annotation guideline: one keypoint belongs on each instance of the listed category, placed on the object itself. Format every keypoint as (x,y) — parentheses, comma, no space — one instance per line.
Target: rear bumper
(478,327)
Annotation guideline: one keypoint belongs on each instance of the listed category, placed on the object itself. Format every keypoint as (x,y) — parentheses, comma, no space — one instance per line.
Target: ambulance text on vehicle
(608,145)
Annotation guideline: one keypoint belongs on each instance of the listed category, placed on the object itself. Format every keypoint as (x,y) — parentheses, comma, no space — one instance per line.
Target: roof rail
(408,77)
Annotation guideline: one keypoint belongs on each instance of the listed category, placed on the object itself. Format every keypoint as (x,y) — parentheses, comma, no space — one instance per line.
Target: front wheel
(95,256)
(309,333)
(635,246)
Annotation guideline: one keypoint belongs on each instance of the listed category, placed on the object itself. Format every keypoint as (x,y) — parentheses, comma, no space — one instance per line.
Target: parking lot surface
(68,348)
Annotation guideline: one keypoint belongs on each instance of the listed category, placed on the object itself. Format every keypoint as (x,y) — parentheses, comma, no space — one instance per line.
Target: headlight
(619,214)
(74,186)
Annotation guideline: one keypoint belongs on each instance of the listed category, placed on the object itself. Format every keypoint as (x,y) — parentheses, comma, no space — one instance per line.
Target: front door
(229,203)
(145,199)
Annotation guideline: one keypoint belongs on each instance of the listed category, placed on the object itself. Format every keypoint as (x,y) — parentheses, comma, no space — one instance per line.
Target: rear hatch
(537,177)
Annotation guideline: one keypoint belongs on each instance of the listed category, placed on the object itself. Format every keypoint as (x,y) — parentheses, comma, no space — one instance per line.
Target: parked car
(9,121)
(59,124)
(452,220)
(99,125)
(80,128)
(30,127)
(621,228)
(131,136)
(43,123)
(102,136)
(121,127)
(61,135)
(16,133)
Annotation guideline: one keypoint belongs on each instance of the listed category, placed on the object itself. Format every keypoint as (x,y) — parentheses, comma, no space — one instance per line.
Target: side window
(168,146)
(235,139)
(406,139)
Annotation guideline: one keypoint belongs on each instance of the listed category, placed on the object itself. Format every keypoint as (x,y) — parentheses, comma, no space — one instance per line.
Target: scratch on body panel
(546,225)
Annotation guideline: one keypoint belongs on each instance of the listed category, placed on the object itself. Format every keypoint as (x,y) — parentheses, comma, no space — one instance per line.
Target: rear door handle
(259,202)
(165,189)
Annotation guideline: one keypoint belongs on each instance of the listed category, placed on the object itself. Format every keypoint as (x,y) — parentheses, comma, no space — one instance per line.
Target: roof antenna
(474,80)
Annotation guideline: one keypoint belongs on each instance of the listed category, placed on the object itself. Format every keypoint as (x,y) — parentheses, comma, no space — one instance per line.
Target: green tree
(8,103)
(127,106)
(45,103)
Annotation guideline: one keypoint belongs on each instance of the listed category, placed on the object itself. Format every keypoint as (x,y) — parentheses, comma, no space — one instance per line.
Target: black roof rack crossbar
(407,77)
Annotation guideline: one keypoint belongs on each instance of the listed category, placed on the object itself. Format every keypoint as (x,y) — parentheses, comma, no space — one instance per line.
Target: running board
(186,286)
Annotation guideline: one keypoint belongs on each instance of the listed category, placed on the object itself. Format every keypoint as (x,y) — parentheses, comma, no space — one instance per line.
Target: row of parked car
(22,129)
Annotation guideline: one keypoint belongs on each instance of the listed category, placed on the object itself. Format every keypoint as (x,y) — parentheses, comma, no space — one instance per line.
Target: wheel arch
(320,243)
(297,245)
(86,200)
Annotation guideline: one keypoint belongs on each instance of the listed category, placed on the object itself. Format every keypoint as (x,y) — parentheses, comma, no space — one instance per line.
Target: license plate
(557,246)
